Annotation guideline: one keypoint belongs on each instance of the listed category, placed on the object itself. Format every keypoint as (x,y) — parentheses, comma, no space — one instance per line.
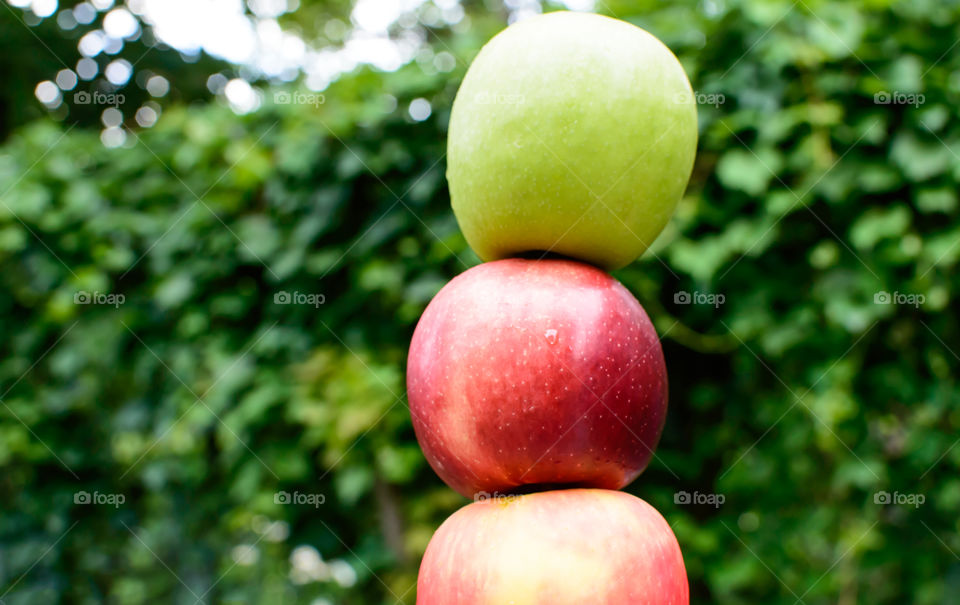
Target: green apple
(572,133)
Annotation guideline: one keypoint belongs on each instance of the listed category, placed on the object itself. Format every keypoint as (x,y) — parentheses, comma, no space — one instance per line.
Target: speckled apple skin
(567,547)
(574,133)
(536,372)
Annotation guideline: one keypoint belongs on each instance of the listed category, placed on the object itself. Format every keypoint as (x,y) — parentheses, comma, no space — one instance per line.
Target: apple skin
(572,133)
(526,374)
(566,547)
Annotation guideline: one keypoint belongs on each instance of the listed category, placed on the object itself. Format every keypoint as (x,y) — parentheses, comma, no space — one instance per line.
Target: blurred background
(220,221)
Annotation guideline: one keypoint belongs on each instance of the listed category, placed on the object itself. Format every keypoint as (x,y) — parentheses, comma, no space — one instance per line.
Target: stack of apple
(536,381)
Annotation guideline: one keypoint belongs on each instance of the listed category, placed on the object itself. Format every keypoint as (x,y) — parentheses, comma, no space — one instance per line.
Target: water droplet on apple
(551,336)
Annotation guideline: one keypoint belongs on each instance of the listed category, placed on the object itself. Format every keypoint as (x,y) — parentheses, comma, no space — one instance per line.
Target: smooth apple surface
(524,374)
(572,133)
(566,547)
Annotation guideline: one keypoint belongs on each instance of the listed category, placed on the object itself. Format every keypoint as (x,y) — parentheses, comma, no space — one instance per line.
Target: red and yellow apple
(527,374)
(566,547)
(572,133)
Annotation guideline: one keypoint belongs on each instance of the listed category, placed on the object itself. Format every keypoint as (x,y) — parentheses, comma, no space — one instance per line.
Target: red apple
(525,374)
(566,547)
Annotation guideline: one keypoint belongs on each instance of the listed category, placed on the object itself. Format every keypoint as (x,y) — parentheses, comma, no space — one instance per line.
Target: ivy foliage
(210,324)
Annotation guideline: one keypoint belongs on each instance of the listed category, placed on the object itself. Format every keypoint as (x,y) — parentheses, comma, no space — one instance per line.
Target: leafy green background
(799,399)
